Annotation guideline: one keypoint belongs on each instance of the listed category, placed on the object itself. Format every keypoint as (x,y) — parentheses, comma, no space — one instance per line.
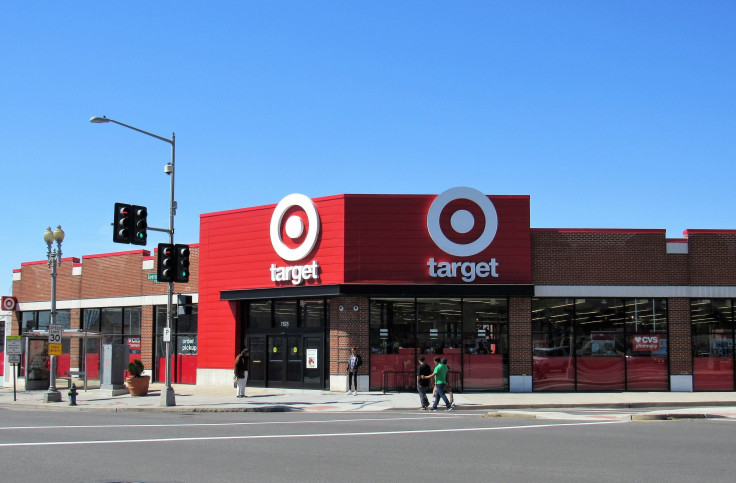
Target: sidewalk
(191,398)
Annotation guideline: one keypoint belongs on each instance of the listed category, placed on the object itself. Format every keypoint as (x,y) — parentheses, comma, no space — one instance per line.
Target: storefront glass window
(91,320)
(646,344)
(40,320)
(286,315)
(472,334)
(111,324)
(132,321)
(30,321)
(439,326)
(712,327)
(552,344)
(600,344)
(259,315)
(312,313)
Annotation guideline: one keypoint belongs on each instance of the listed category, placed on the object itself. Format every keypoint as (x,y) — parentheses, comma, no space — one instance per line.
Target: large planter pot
(138,386)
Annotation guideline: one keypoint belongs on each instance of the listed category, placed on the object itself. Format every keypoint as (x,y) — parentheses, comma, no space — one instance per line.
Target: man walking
(440,380)
(354,362)
(422,383)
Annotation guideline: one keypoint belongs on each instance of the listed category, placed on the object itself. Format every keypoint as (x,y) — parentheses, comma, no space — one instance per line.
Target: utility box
(114,361)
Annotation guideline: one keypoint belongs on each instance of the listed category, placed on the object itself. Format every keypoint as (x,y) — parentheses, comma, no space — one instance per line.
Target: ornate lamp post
(167,395)
(54,257)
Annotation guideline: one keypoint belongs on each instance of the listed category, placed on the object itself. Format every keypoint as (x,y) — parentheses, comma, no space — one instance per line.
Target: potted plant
(137,382)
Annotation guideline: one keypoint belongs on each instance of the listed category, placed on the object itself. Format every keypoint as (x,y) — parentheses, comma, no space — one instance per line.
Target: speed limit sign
(9,303)
(55,334)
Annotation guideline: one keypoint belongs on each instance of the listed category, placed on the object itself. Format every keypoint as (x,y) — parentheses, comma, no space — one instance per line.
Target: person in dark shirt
(241,372)
(422,383)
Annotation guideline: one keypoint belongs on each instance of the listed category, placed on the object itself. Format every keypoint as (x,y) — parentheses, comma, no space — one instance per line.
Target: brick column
(147,334)
(75,344)
(680,345)
(520,344)
(348,328)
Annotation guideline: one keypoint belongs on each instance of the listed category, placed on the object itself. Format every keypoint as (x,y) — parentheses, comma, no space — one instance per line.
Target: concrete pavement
(190,398)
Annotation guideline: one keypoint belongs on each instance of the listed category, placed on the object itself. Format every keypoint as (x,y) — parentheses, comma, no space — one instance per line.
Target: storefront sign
(134,343)
(460,236)
(9,303)
(645,343)
(187,345)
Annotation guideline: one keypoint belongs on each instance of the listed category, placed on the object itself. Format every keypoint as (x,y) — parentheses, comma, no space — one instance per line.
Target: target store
(459,275)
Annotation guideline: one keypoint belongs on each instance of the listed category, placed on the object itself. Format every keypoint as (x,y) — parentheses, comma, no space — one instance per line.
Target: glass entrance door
(285,361)
(276,354)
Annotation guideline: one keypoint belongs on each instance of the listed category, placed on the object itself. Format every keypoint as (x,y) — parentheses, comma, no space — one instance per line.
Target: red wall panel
(362,239)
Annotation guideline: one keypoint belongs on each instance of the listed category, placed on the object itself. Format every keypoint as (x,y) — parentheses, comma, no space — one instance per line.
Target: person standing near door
(422,383)
(241,371)
(354,362)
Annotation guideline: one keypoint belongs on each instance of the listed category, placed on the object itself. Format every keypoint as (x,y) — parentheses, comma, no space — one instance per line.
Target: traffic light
(129,224)
(182,263)
(140,217)
(122,223)
(166,267)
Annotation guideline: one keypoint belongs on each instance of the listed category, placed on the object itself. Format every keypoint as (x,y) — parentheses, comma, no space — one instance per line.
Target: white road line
(235,423)
(295,436)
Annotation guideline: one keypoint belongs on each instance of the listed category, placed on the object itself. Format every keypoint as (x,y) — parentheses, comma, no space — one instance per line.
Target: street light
(167,395)
(54,257)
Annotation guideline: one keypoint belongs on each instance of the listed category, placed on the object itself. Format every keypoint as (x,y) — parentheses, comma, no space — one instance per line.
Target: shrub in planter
(137,382)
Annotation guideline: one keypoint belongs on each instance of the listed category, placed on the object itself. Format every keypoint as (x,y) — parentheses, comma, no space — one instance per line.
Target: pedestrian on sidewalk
(241,371)
(440,380)
(354,362)
(422,383)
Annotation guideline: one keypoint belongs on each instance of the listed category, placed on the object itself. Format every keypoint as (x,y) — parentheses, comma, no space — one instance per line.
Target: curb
(674,416)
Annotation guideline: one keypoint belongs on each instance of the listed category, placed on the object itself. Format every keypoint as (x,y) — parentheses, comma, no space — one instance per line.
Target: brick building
(459,275)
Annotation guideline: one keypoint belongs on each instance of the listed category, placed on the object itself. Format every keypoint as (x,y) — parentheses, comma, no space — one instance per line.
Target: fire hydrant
(73,395)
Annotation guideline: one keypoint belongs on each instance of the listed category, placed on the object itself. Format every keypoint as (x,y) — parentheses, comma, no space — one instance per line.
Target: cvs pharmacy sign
(648,342)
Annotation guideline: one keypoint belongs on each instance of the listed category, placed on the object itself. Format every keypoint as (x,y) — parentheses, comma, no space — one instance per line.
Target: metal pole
(168,398)
(167,395)
(53,395)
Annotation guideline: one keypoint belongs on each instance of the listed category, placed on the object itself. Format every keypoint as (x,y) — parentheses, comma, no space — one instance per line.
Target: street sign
(55,334)
(167,334)
(54,349)
(13,345)
(14,359)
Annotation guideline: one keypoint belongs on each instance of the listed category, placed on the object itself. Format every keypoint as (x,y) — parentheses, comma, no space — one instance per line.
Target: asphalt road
(382,446)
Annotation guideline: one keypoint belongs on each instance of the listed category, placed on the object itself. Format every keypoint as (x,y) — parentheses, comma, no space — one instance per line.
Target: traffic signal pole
(167,394)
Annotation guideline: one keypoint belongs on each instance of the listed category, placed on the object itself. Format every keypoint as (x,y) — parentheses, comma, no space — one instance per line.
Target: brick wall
(520,336)
(679,344)
(712,257)
(348,328)
(569,257)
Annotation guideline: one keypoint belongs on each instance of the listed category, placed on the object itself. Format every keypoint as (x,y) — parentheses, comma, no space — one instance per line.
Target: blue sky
(608,114)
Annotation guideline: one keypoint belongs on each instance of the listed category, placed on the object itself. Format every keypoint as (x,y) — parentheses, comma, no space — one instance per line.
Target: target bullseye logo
(463,221)
(294,229)
(9,303)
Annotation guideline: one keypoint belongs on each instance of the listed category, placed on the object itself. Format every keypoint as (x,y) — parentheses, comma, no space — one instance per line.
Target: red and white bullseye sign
(9,303)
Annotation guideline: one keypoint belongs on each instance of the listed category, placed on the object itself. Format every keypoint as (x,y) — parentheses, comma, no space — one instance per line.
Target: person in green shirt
(440,381)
